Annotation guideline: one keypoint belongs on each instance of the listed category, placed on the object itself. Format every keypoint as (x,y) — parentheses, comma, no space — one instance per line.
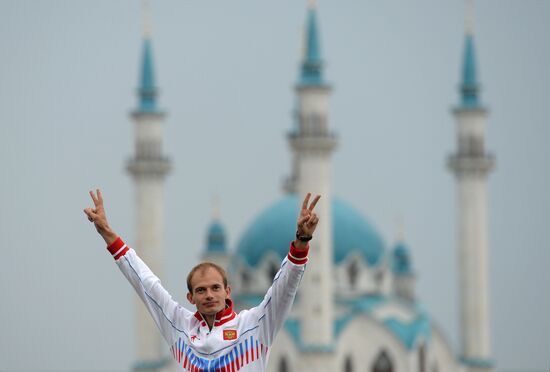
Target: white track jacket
(237,342)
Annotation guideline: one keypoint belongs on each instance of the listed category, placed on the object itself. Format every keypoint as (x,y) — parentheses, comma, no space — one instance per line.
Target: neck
(209,320)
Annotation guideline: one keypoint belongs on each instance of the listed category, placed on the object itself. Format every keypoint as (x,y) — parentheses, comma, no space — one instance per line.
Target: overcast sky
(226,71)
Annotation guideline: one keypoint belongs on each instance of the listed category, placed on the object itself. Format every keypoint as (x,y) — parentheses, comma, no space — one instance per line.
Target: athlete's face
(209,292)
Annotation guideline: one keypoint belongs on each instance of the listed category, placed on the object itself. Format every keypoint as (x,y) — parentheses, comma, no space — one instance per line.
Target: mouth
(210,304)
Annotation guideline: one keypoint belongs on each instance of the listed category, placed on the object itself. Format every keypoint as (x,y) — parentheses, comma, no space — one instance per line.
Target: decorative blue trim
(477,362)
(407,333)
(151,365)
(294,327)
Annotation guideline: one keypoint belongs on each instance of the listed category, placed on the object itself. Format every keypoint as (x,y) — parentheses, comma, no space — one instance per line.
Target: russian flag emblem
(229,334)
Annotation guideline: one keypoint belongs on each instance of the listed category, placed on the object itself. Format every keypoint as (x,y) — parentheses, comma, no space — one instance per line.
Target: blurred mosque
(356,309)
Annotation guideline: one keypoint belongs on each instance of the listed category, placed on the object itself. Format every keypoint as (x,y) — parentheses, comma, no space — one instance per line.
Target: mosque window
(283,365)
(382,363)
(353,273)
(422,358)
(379,277)
(348,364)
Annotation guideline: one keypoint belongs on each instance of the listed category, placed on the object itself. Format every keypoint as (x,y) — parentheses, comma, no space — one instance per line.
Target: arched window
(353,273)
(283,365)
(422,358)
(382,363)
(348,364)
(379,277)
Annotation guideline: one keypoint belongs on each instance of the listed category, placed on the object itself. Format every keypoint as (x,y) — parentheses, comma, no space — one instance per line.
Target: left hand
(307,220)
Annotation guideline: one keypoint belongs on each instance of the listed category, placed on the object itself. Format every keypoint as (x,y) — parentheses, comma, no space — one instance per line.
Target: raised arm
(167,313)
(275,307)
(98,217)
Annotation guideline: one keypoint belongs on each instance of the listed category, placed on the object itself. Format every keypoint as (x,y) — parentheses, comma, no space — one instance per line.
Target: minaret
(312,145)
(148,168)
(471,164)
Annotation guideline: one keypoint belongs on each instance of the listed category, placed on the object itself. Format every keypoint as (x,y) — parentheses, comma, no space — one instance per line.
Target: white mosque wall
(283,347)
(364,339)
(441,355)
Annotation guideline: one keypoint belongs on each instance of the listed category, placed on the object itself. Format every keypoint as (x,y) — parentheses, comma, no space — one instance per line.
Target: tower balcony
(467,164)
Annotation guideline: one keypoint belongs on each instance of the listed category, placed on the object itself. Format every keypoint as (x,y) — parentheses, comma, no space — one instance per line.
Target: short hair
(203,266)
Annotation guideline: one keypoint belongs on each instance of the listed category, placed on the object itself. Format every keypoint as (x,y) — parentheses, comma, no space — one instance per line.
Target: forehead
(206,277)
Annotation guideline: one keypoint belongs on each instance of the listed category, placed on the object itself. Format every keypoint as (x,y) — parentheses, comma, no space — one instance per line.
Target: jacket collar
(222,316)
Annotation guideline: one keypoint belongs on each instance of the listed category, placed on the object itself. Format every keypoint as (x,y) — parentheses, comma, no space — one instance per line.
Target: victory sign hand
(98,217)
(307,220)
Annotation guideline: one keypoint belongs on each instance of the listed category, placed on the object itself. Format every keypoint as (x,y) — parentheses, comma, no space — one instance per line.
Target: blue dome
(274,229)
(215,240)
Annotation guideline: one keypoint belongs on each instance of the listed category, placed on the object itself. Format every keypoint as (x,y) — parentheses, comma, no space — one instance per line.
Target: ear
(227,291)
(190,298)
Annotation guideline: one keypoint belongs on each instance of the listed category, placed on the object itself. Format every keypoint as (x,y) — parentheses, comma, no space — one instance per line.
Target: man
(214,338)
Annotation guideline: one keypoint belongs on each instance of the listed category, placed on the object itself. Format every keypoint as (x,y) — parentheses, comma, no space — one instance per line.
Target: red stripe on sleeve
(121,253)
(115,246)
(297,257)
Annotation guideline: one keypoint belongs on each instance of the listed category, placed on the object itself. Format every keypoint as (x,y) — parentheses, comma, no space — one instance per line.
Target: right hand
(98,217)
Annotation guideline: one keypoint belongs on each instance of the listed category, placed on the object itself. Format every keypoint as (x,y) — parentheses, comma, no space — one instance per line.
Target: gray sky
(67,82)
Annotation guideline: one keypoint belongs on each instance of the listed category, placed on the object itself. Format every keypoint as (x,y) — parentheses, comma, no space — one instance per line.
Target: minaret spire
(312,65)
(470,87)
(147,91)
(471,165)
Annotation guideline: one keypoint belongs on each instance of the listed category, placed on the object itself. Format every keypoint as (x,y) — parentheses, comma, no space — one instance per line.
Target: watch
(303,238)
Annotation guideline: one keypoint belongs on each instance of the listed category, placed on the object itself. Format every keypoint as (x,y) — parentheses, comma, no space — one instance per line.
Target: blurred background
(226,72)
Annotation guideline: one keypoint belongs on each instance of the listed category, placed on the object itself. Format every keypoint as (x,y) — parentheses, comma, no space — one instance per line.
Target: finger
(94,198)
(89,214)
(99,196)
(302,220)
(313,221)
(306,201)
(314,202)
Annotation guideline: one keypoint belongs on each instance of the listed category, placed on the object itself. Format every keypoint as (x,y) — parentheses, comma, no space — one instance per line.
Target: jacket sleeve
(168,315)
(272,312)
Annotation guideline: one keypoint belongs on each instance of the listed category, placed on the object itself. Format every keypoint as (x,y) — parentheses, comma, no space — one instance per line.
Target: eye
(217,287)
(199,290)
